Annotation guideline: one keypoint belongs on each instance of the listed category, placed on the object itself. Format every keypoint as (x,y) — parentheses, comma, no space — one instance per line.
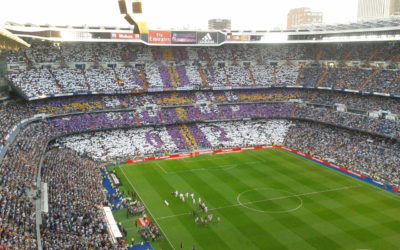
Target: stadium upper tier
(47,70)
(80,52)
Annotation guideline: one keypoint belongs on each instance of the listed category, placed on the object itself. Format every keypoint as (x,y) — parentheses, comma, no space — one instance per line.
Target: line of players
(202,206)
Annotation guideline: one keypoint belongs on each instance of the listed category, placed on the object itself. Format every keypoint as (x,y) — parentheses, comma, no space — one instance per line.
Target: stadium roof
(393,21)
(11,41)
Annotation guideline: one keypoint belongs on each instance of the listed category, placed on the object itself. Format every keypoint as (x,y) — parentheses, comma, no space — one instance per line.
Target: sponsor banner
(231,150)
(301,154)
(207,38)
(126,36)
(396,189)
(134,161)
(184,37)
(159,37)
(237,38)
(356,174)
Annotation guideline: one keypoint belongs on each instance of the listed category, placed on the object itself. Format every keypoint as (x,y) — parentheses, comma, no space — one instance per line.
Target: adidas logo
(207,39)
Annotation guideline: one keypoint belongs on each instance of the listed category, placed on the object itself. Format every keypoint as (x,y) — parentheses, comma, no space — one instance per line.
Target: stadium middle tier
(365,112)
(47,70)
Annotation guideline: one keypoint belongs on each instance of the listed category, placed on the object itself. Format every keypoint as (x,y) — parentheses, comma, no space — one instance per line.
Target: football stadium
(136,137)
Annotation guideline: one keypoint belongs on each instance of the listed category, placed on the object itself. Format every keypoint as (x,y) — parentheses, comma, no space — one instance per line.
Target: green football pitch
(266,199)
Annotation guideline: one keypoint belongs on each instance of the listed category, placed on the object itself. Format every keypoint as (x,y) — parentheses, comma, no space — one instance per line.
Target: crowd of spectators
(136,208)
(141,142)
(171,107)
(76,195)
(353,101)
(373,156)
(353,78)
(150,232)
(38,82)
(11,113)
(220,67)
(17,188)
(42,52)
(350,120)
(220,112)
(172,115)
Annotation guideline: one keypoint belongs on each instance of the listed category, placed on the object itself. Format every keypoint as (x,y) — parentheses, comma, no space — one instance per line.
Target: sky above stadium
(167,14)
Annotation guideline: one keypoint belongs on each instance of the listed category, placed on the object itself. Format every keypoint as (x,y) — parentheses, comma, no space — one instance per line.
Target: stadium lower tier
(71,167)
(352,150)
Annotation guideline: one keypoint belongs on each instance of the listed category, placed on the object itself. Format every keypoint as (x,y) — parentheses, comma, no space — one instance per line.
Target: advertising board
(237,38)
(159,37)
(207,38)
(126,36)
(184,37)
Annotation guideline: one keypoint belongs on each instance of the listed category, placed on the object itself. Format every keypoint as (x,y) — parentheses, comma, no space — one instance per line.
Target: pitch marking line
(244,204)
(155,219)
(222,167)
(271,199)
(161,167)
(217,156)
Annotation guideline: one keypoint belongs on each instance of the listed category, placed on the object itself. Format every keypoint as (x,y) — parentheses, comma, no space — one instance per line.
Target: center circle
(269,200)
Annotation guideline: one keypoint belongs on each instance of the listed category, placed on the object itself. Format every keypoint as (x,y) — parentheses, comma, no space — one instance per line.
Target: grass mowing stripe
(130,183)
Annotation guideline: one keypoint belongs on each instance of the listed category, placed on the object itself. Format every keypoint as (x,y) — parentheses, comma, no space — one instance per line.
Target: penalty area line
(165,172)
(155,219)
